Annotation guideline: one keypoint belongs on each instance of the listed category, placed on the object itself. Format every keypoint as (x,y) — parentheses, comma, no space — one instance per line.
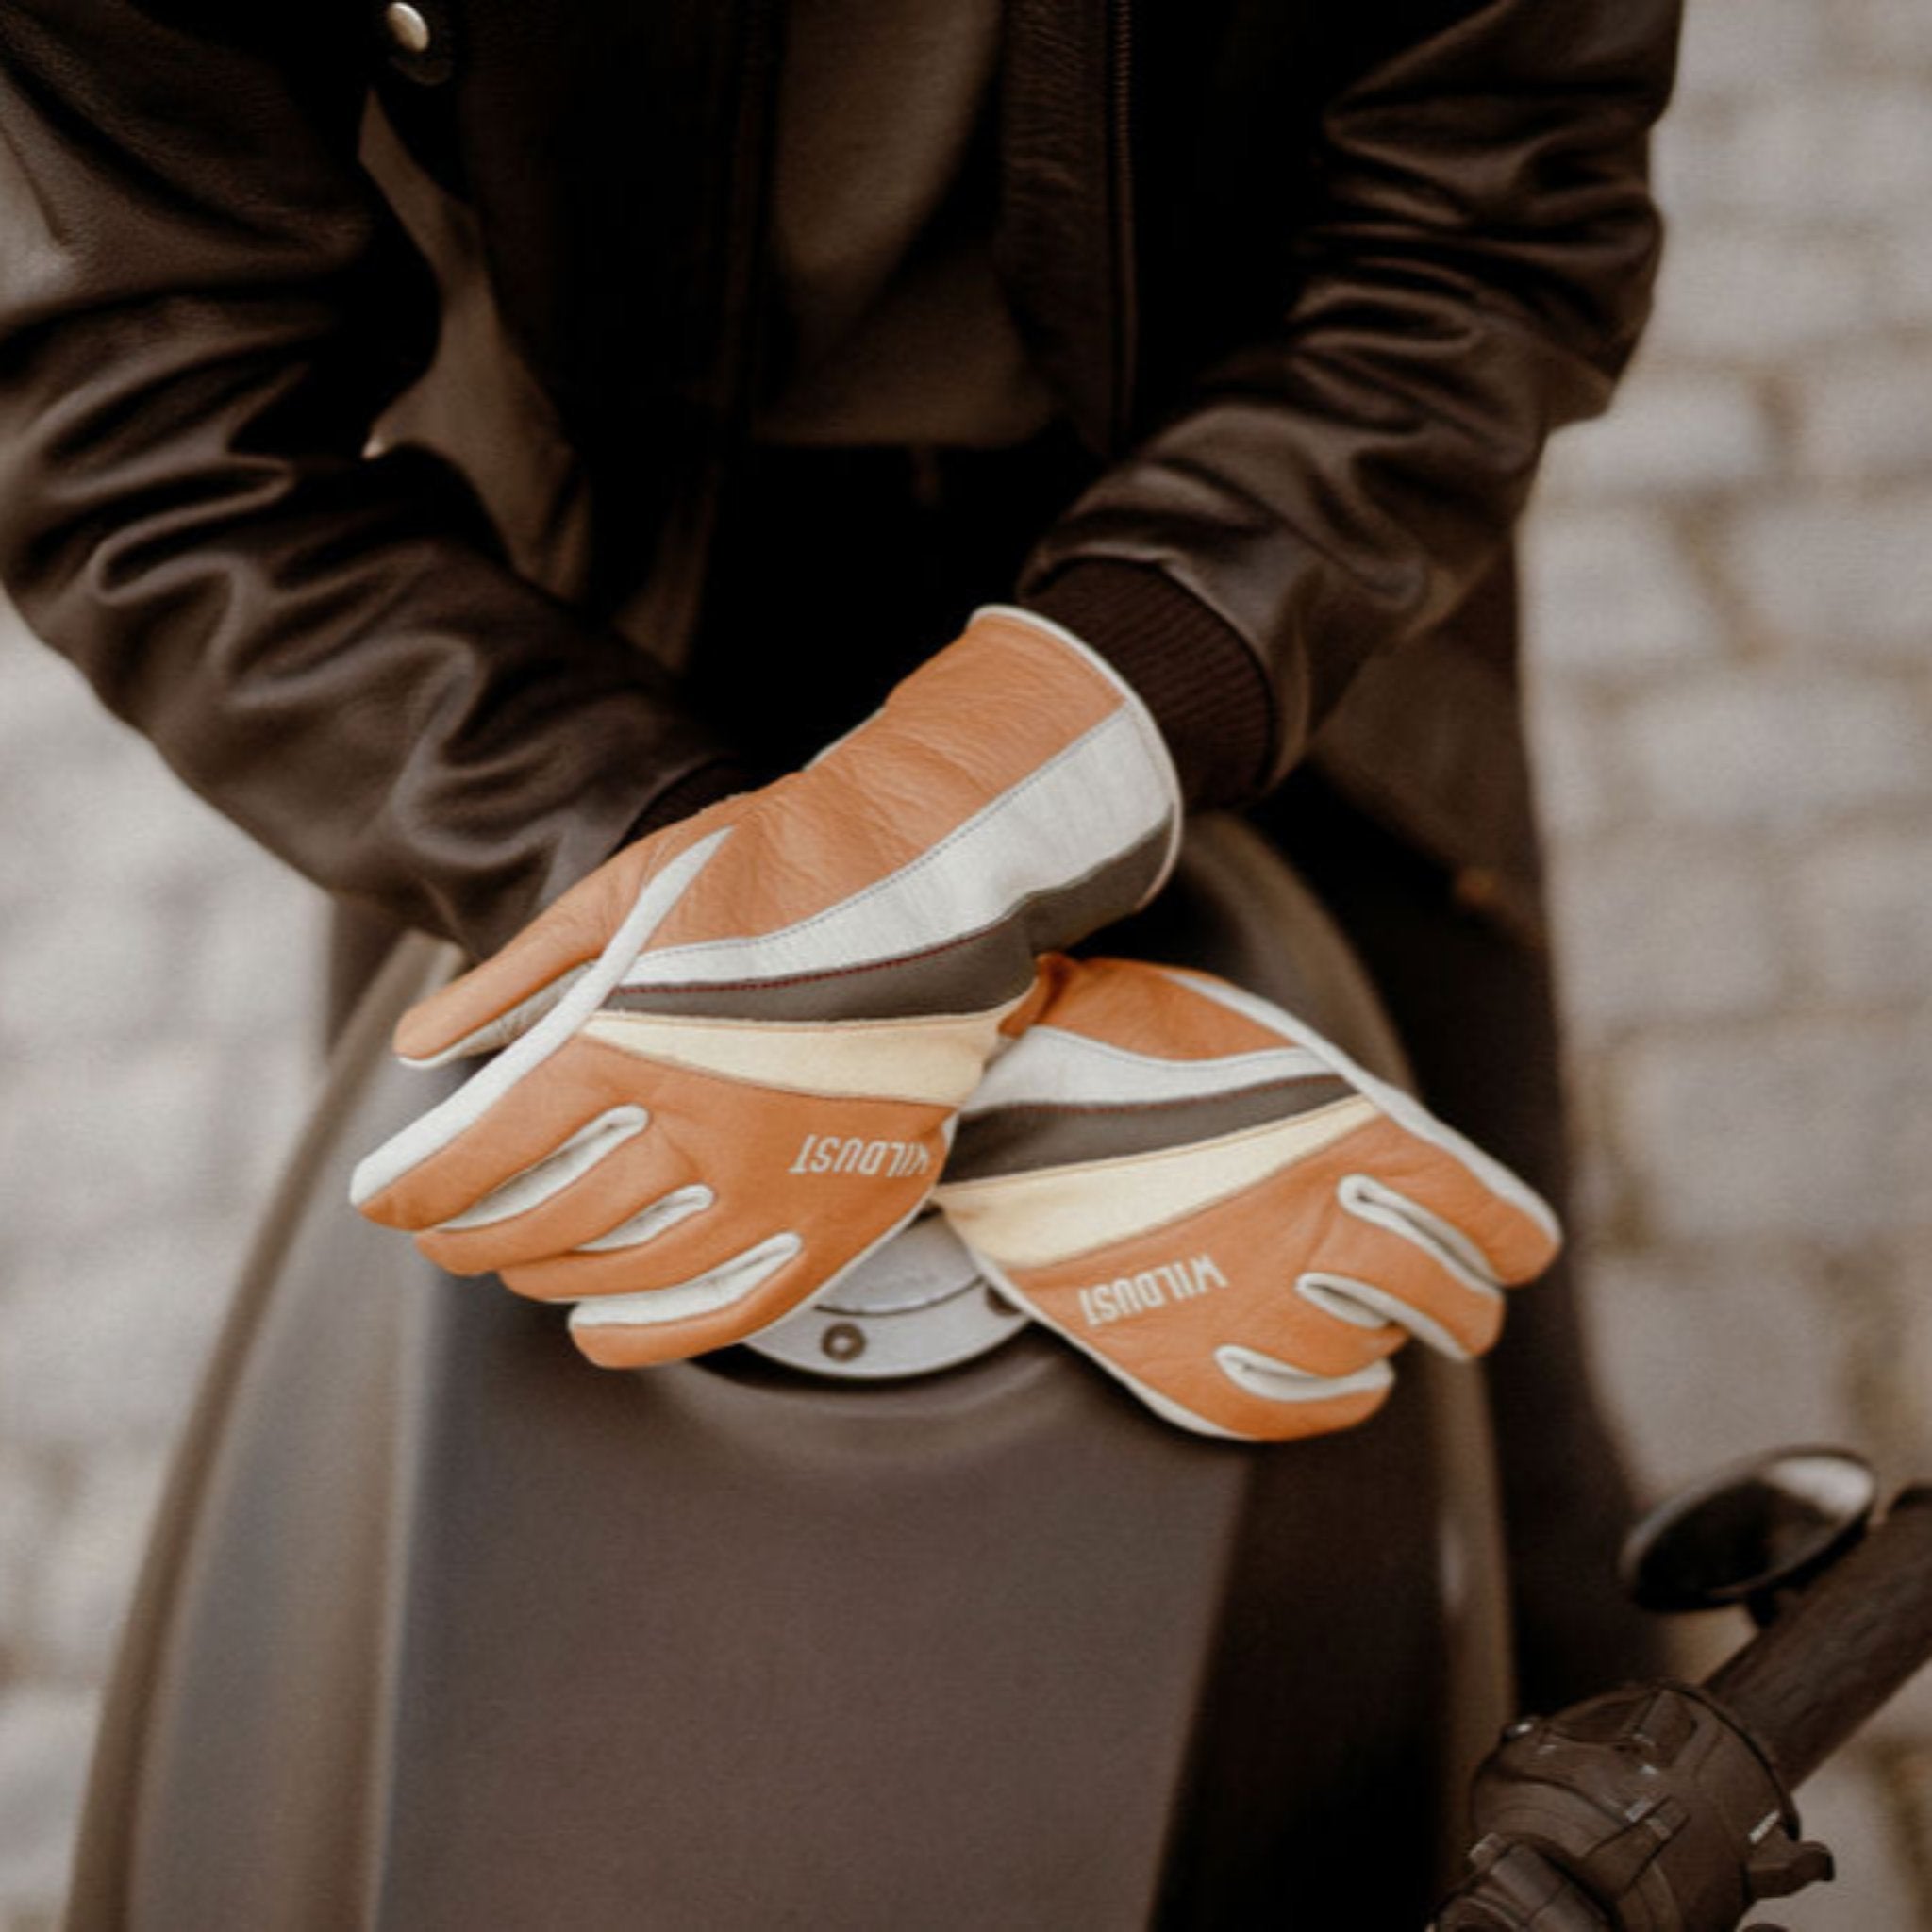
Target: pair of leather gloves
(744,1051)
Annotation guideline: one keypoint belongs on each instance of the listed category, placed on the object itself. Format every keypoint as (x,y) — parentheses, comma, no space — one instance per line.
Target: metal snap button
(406,28)
(844,1341)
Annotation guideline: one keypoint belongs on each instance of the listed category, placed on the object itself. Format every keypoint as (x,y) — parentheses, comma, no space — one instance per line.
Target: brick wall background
(1730,612)
(1730,596)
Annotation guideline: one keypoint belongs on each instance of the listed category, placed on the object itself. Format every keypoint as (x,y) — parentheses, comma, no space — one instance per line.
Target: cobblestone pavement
(1730,594)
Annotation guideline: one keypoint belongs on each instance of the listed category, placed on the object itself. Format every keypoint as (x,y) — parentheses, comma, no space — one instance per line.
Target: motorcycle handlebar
(1568,1833)
(1854,1636)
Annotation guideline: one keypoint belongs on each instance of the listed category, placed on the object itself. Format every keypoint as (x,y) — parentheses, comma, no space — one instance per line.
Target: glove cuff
(1197,676)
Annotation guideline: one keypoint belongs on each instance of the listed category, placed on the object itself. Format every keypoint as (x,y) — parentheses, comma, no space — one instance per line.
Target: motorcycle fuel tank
(911,1618)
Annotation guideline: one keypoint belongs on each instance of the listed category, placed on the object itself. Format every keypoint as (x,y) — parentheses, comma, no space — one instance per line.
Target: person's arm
(1472,272)
(204,307)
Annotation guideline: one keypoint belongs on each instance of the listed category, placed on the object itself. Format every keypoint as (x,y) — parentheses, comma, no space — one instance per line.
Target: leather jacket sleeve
(204,307)
(1472,271)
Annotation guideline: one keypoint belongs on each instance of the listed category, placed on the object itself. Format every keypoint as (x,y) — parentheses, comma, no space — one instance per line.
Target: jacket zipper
(669,606)
(1124,309)
(753,138)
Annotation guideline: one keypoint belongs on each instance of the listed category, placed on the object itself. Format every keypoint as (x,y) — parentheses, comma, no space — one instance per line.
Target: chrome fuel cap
(918,1304)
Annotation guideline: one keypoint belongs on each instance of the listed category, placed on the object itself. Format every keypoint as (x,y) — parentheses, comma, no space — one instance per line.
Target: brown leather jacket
(1314,282)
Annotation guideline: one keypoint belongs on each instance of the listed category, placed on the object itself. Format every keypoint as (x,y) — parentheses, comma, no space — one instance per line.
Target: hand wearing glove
(735,1053)
(1222,1209)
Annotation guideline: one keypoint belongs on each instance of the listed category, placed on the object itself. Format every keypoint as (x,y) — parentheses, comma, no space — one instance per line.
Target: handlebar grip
(1852,1639)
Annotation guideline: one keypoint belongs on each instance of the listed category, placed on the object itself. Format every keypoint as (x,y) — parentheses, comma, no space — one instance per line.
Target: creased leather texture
(1360,264)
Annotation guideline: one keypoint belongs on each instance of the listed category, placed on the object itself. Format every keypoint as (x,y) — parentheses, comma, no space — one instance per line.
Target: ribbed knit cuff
(1194,673)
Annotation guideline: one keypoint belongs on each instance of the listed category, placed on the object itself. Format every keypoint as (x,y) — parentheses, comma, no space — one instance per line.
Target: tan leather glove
(1222,1209)
(734,1054)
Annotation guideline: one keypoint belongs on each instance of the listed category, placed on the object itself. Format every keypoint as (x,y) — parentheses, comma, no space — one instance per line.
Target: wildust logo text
(849,1153)
(1152,1288)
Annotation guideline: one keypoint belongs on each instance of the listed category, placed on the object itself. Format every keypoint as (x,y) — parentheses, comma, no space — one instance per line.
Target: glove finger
(1274,1400)
(561,1204)
(449,1159)
(1370,1305)
(1393,1259)
(749,1290)
(1261,1397)
(667,1254)
(1492,1221)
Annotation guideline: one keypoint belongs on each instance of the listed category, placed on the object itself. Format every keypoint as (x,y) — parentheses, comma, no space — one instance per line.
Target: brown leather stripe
(1109,891)
(1019,1140)
(967,975)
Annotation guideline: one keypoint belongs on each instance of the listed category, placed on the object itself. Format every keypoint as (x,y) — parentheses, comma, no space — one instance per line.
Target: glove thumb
(481,1012)
(499,1000)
